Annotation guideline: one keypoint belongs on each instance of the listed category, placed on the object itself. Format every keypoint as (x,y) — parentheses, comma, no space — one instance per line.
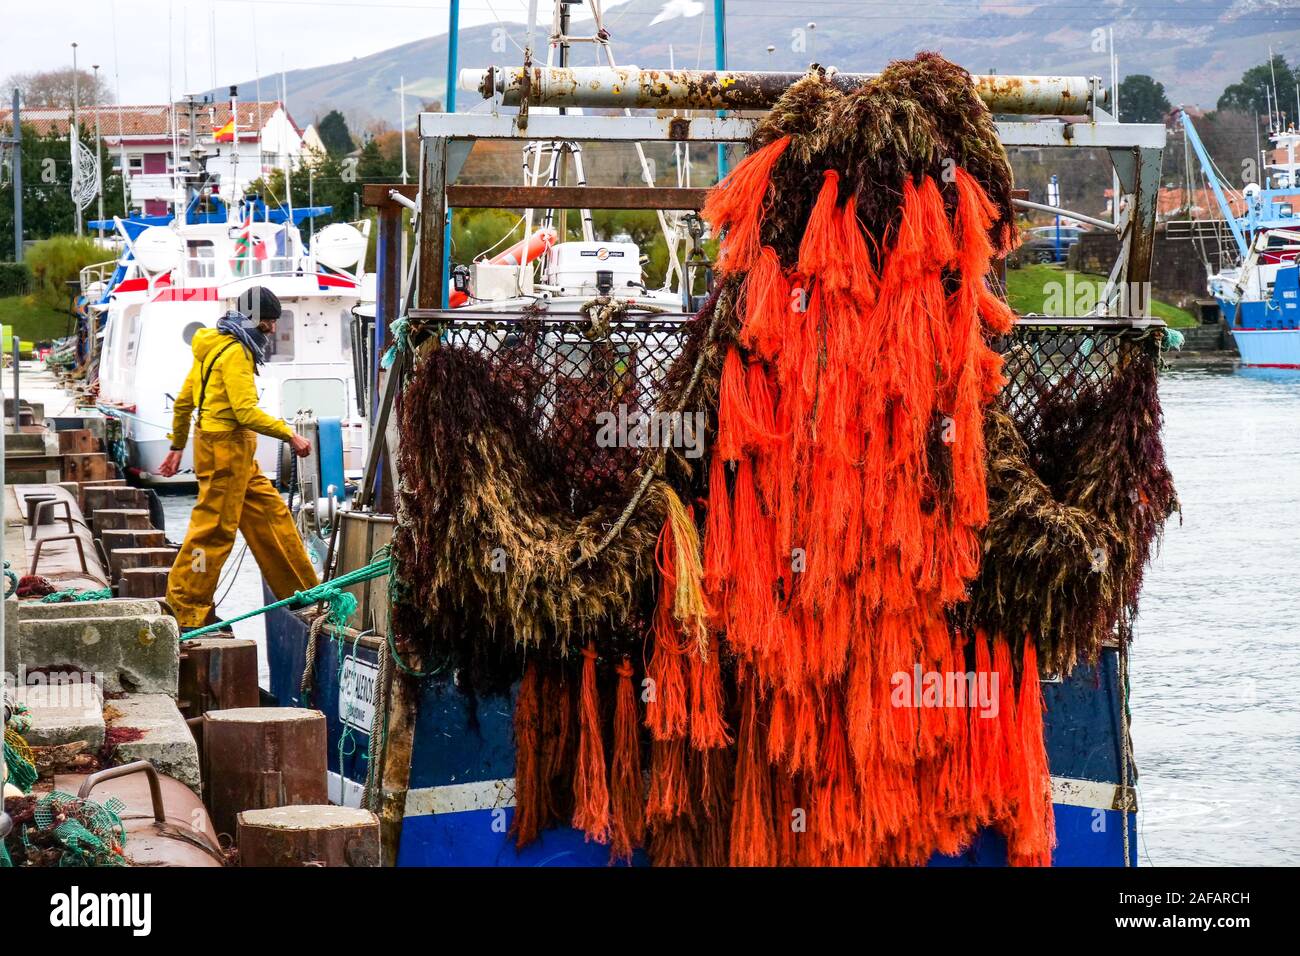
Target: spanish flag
(225,134)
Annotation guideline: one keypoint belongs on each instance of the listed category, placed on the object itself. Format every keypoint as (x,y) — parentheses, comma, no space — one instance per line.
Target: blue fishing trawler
(436,762)
(1257,280)
(459,804)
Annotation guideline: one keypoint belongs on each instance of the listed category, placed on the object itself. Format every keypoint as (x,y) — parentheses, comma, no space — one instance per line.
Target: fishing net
(20,762)
(851,465)
(87,833)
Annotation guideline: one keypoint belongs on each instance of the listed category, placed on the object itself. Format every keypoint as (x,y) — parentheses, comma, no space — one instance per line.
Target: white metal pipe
(633,88)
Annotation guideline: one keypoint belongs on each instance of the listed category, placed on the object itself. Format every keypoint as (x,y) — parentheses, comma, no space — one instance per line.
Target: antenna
(234,147)
(1273,75)
(288,167)
(401,99)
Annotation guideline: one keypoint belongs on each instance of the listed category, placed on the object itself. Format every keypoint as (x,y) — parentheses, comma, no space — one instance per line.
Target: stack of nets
(836,616)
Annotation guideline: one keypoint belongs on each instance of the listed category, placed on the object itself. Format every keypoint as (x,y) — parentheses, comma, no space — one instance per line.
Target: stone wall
(1177,272)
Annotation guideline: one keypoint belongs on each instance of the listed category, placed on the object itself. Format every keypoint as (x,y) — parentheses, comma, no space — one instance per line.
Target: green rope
(401,340)
(76,594)
(12,578)
(18,761)
(341,603)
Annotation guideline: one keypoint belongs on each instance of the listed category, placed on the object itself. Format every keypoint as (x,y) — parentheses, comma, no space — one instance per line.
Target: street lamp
(74,137)
(99,170)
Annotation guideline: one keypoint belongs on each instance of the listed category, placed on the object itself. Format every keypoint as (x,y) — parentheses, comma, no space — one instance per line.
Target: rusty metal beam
(634,88)
(575,197)
(377,194)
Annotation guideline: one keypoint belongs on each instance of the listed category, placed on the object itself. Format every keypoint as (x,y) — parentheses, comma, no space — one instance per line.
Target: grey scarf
(232,324)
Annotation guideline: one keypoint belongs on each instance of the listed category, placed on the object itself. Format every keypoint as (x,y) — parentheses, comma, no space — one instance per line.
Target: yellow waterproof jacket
(230,398)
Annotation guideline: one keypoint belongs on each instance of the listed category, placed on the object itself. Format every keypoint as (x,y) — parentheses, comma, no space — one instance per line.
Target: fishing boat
(1253,272)
(177,277)
(182,271)
(437,760)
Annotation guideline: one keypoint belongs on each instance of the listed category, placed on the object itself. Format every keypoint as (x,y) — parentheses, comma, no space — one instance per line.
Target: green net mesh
(90,833)
(19,761)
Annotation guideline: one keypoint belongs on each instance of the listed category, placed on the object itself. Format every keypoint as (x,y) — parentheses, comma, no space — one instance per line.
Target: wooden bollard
(132,539)
(78,441)
(143,583)
(217,674)
(106,483)
(308,836)
(124,558)
(92,467)
(96,498)
(260,757)
(122,519)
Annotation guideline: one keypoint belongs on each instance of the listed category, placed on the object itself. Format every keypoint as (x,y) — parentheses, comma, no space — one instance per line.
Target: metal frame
(446,139)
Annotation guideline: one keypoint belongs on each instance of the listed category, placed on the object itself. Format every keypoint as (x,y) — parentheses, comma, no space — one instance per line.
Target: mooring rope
(341,603)
(76,594)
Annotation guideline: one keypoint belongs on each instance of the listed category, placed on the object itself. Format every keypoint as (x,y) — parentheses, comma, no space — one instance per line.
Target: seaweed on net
(830,432)
(918,117)
(491,553)
(1078,496)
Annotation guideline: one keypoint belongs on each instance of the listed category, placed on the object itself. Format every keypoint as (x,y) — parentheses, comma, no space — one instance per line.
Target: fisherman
(233,492)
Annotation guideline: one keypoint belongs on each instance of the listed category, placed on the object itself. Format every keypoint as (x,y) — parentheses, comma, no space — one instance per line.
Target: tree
(1255,91)
(47,181)
(54,88)
(1142,99)
(334,133)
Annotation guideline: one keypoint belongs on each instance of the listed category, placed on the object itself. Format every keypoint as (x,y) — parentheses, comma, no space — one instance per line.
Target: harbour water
(1215,703)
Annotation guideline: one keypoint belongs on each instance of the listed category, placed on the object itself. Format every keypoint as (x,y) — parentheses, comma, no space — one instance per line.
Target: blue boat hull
(1267,333)
(461,797)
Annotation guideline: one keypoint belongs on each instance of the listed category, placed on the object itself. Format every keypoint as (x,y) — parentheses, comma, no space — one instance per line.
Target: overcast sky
(289,33)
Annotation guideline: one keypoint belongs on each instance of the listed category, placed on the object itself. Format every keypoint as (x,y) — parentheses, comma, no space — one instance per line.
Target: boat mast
(1208,167)
(234,148)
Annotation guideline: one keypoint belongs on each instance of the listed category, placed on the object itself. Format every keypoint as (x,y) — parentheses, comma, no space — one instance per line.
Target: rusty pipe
(630,87)
(138,766)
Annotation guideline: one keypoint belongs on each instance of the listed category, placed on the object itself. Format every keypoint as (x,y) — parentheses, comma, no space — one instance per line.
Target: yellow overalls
(233,492)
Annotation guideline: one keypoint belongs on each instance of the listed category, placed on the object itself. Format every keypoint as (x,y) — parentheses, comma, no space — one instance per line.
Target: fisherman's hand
(171,464)
(301,446)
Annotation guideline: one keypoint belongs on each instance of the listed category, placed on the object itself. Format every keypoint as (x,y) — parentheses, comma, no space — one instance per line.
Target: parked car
(1040,244)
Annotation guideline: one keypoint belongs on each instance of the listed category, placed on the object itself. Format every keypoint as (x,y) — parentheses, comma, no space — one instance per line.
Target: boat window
(187,334)
(325,397)
(279,347)
(200,258)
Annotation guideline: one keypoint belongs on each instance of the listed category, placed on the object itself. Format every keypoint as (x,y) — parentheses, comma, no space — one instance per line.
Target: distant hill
(1194,47)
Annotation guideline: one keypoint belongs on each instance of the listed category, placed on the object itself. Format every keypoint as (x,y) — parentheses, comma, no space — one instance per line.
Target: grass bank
(1052,290)
(32,321)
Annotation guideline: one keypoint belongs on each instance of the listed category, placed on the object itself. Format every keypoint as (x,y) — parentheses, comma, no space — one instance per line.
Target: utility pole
(401,102)
(15,141)
(99,169)
(453,55)
(720,62)
(74,137)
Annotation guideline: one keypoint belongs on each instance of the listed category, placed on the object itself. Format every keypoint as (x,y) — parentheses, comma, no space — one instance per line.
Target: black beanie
(259,304)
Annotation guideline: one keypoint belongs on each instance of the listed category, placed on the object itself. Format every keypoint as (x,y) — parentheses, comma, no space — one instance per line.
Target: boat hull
(1268,348)
(460,801)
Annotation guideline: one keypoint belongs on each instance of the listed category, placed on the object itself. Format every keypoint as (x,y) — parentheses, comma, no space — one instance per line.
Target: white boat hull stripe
(497,794)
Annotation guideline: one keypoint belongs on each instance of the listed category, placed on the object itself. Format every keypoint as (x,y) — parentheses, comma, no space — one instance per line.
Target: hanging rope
(401,340)
(11,578)
(19,761)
